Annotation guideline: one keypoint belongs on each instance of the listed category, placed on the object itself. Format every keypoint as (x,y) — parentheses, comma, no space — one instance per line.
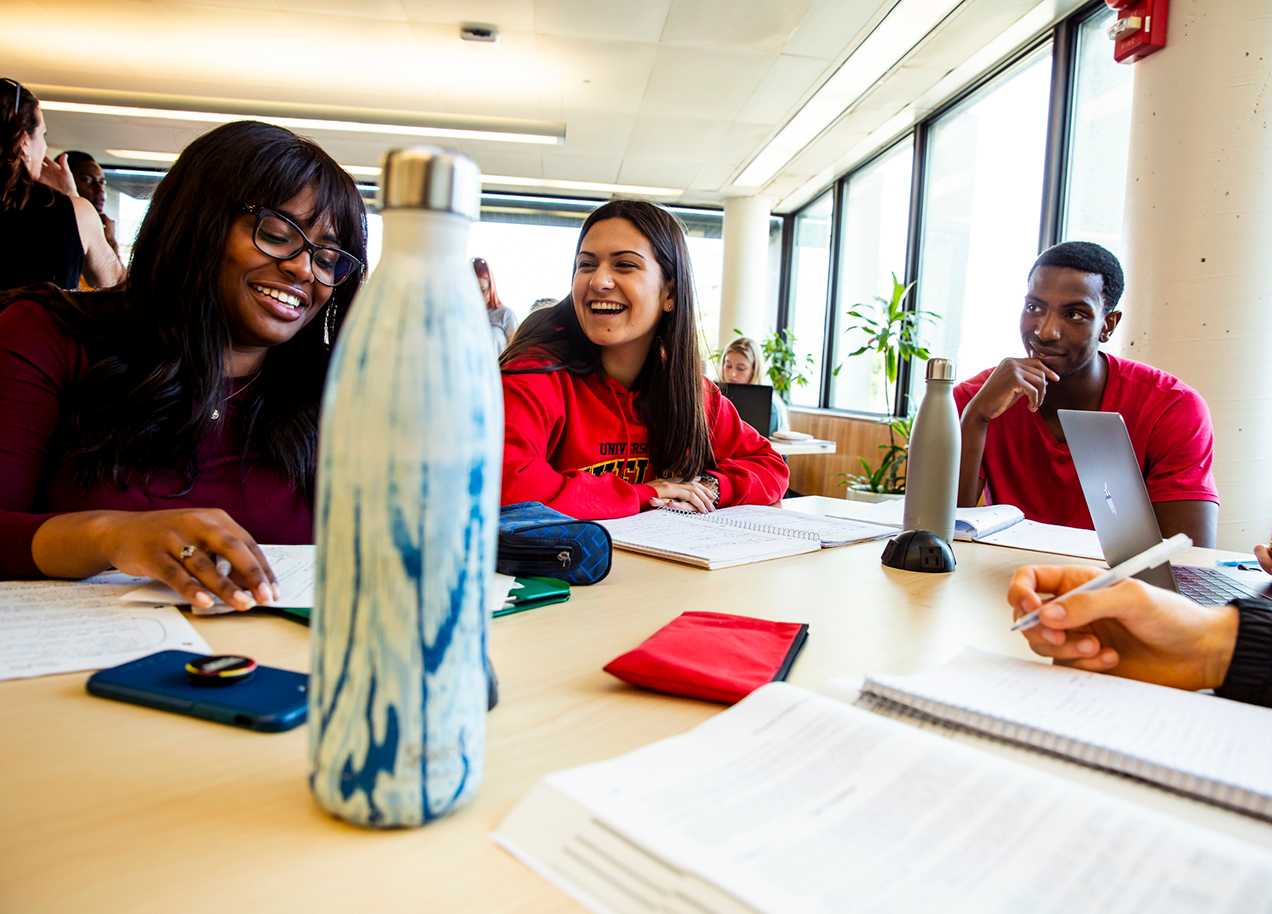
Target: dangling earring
(329,324)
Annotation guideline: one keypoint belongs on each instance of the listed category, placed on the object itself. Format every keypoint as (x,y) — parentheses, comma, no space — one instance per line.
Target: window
(1099,138)
(876,214)
(982,209)
(810,272)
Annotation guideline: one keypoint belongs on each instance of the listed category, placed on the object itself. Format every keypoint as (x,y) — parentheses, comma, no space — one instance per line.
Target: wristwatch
(713,486)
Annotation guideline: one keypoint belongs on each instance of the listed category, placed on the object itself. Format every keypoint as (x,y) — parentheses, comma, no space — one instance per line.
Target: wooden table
(109,807)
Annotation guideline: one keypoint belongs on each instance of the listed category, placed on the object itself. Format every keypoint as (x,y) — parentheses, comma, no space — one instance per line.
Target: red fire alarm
(1140,28)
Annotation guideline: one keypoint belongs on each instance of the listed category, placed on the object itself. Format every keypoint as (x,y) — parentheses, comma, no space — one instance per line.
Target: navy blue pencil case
(536,541)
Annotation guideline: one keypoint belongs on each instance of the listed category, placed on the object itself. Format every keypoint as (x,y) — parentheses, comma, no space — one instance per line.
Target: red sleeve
(1179,460)
(36,361)
(534,421)
(749,471)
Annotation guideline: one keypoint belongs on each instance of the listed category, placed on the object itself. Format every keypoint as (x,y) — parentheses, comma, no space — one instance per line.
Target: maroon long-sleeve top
(38,362)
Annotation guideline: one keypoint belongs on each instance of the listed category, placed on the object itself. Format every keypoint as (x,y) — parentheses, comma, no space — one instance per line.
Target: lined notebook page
(830,531)
(1198,744)
(689,538)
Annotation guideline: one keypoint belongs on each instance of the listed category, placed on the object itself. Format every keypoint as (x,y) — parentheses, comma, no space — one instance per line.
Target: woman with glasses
(606,411)
(48,233)
(173,421)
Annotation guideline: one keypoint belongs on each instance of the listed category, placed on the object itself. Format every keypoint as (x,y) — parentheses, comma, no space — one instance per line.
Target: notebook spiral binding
(770,529)
(883,699)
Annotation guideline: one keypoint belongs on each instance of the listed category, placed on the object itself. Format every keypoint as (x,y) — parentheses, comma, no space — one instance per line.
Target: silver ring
(186,551)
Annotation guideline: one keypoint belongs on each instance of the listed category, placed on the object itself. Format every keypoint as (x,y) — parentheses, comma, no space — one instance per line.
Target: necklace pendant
(216,414)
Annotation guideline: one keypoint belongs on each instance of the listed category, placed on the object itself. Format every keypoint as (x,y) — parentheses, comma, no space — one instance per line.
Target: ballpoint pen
(1149,558)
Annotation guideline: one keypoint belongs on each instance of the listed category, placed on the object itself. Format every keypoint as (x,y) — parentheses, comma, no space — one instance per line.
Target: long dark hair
(18,107)
(157,343)
(669,385)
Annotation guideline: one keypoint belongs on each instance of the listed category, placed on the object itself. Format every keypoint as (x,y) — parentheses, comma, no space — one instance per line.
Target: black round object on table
(919,550)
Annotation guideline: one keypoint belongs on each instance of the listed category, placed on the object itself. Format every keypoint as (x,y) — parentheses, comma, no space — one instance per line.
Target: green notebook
(533,593)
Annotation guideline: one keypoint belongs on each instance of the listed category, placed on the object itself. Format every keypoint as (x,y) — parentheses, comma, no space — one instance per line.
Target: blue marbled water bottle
(406,515)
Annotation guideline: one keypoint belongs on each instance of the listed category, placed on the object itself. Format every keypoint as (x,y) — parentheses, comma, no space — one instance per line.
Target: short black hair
(75,158)
(1087,257)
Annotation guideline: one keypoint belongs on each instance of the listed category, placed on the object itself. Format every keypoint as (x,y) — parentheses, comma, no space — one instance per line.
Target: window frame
(1063,40)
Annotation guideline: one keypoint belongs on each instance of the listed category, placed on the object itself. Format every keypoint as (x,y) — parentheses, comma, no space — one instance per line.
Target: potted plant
(891,332)
(782,365)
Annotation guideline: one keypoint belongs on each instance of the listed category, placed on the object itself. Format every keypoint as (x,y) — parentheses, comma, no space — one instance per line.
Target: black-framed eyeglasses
(277,236)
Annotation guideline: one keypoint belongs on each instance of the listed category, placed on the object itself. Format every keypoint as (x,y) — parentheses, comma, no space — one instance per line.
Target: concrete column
(1198,224)
(744,290)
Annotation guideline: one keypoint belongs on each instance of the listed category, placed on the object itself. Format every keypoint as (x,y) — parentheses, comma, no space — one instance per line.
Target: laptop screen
(754,404)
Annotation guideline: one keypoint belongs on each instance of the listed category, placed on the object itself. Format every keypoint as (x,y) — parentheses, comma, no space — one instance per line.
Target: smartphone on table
(270,699)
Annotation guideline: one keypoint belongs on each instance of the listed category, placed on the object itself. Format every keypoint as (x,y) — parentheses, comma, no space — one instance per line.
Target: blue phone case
(271,700)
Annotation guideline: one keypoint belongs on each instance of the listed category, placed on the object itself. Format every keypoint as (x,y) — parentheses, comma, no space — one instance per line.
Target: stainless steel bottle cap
(940,370)
(428,177)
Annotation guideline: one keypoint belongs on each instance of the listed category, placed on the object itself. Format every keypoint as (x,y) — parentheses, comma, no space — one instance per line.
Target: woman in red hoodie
(606,411)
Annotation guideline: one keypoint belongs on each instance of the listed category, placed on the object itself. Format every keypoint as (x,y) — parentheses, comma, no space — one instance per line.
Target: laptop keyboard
(1207,586)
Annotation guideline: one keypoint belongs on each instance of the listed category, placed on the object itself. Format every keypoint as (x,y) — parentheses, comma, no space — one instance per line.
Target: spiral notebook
(735,536)
(1199,745)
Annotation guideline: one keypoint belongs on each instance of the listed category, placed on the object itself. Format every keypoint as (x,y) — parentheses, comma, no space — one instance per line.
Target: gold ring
(186,551)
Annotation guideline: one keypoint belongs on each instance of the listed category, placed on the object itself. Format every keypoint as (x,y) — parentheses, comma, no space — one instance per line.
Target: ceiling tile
(566,167)
(509,15)
(615,20)
(596,133)
(788,82)
(602,75)
(831,27)
(687,81)
(658,172)
(363,9)
(663,137)
(757,25)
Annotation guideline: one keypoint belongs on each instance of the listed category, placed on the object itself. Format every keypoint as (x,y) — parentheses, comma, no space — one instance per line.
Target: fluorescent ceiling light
(306,123)
(143,155)
(903,28)
(600,187)
(372,171)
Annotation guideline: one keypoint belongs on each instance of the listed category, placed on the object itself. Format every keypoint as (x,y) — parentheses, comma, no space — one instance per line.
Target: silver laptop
(1122,512)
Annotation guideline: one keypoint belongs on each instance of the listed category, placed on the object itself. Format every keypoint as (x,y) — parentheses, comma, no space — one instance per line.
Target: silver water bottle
(931,479)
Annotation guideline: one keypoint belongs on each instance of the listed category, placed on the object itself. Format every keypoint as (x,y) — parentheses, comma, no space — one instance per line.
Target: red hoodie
(577,444)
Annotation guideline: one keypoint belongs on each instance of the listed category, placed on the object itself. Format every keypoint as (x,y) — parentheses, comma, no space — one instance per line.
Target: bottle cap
(940,370)
(428,177)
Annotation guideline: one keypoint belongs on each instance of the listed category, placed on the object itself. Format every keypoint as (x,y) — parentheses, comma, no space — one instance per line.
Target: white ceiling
(672,93)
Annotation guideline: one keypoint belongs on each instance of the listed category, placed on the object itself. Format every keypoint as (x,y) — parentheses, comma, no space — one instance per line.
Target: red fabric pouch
(716,656)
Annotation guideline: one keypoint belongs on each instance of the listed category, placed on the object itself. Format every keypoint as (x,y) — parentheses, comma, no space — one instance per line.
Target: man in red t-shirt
(1013,446)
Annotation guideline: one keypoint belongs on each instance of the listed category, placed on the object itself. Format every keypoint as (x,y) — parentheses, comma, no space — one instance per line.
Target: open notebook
(734,536)
(1196,744)
(998,525)
(791,802)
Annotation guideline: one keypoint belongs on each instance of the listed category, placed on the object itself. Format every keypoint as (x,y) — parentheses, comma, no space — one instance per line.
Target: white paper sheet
(686,538)
(51,627)
(1032,535)
(791,802)
(294,566)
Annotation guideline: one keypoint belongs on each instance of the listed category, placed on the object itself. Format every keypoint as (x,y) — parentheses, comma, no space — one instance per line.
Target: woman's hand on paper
(1131,629)
(682,496)
(154,544)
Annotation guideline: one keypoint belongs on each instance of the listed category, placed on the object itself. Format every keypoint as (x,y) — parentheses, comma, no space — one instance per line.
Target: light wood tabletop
(110,807)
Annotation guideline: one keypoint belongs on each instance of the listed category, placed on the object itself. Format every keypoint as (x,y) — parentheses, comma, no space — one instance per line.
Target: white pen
(1149,558)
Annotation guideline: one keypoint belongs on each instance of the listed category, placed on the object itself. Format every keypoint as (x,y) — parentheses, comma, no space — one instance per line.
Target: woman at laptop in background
(503,323)
(606,412)
(154,425)
(1143,632)
(741,364)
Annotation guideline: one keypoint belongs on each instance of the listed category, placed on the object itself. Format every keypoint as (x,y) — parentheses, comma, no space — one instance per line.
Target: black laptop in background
(754,403)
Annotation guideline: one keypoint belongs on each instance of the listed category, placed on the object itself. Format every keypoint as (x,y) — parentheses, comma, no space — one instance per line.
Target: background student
(606,411)
(90,183)
(48,233)
(503,323)
(150,426)
(1135,630)
(741,364)
(1013,444)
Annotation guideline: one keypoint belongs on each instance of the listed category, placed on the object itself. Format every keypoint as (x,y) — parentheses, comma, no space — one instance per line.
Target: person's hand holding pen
(1130,629)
